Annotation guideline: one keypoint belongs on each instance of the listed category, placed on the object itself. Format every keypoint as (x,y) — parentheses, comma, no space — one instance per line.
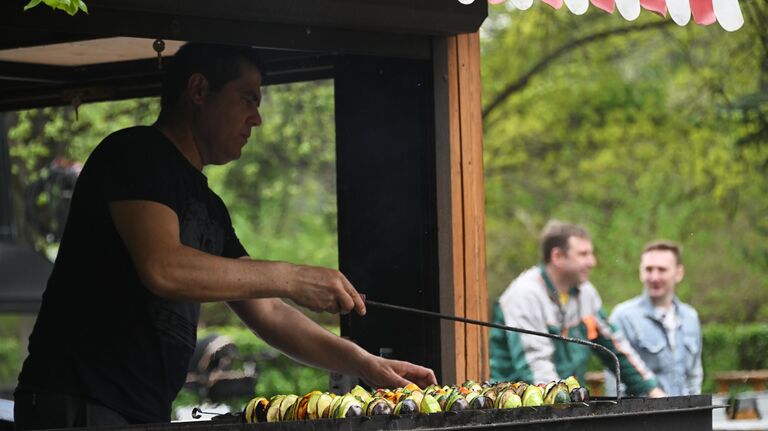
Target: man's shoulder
(133,146)
(687,310)
(135,136)
(528,283)
(528,280)
(629,307)
(132,131)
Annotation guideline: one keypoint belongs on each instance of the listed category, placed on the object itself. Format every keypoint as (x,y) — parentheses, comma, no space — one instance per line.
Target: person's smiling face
(576,263)
(660,273)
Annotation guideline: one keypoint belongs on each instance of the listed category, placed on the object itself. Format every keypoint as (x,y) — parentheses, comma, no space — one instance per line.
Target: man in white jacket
(557,297)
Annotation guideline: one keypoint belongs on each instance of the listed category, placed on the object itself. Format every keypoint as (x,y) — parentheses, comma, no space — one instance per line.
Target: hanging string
(159,46)
(77,100)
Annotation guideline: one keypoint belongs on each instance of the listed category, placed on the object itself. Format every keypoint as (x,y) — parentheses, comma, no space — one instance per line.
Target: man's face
(226,117)
(660,273)
(575,264)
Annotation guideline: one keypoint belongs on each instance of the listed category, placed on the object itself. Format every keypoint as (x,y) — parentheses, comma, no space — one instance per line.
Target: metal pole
(506,328)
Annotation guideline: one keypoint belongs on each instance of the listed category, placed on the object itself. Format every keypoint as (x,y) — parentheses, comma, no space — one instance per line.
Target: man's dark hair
(218,63)
(666,245)
(555,235)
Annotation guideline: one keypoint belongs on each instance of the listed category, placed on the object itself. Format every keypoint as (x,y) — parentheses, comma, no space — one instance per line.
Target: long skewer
(506,328)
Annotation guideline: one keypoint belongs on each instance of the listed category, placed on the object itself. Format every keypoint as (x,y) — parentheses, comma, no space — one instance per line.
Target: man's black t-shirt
(101,333)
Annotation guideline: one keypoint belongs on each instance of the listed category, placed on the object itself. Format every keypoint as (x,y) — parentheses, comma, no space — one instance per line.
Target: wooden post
(461,209)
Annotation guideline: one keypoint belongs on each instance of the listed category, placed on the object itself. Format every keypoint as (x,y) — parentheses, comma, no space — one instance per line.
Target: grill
(688,412)
(600,413)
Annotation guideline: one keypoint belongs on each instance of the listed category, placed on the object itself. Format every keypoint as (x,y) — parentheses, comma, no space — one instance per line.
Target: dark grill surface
(690,413)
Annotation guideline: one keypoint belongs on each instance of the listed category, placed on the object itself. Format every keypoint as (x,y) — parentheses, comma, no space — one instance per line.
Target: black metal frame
(24,86)
(387,221)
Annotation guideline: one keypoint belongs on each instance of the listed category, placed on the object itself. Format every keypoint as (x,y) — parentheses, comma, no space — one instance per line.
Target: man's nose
(255,119)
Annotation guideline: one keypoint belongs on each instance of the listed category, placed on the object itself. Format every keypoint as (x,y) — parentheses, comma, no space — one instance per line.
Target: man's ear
(680,273)
(556,255)
(197,88)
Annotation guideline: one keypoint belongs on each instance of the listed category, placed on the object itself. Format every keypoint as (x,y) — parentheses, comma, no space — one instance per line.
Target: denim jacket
(678,371)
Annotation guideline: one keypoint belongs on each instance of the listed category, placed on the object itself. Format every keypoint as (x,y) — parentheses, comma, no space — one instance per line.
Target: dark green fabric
(508,362)
(571,359)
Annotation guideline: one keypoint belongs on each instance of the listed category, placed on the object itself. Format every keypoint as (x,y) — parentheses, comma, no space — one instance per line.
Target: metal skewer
(506,328)
(197,413)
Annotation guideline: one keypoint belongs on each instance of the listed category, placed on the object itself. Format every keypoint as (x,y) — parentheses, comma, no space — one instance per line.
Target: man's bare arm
(168,268)
(299,337)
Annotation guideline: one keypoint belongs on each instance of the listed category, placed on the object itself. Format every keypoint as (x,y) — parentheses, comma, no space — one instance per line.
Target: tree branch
(521,82)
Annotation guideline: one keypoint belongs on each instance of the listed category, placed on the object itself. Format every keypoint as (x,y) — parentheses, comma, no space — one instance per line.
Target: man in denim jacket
(664,331)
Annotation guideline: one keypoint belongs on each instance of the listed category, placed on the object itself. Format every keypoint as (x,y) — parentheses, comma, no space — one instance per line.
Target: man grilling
(147,241)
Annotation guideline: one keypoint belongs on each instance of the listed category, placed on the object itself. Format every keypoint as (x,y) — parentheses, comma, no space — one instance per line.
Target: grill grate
(629,414)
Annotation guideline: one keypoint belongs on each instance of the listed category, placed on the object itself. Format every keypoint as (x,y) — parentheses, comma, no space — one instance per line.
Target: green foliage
(69,6)
(38,137)
(9,325)
(753,347)
(718,354)
(10,361)
(729,348)
(636,137)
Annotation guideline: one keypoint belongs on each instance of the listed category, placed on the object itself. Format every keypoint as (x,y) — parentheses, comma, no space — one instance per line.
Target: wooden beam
(459,138)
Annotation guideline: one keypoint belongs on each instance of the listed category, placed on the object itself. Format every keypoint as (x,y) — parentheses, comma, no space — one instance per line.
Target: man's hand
(656,393)
(388,373)
(323,289)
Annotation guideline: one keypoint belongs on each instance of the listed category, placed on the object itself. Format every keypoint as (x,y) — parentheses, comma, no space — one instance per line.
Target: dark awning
(298,39)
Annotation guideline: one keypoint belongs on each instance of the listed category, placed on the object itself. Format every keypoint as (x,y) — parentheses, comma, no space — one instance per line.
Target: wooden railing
(595,382)
(755,378)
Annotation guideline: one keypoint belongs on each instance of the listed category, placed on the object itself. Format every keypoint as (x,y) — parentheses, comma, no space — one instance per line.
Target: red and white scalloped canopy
(726,12)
